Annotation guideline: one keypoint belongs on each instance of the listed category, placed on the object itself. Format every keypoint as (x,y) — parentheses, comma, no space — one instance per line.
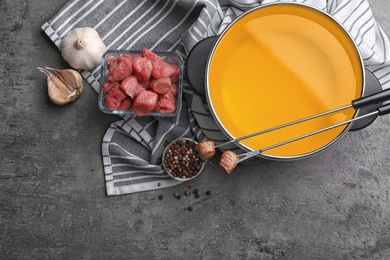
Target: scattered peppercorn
(208,193)
(189,208)
(197,195)
(159,184)
(178,197)
(190,186)
(187,193)
(196,191)
(176,194)
(160,197)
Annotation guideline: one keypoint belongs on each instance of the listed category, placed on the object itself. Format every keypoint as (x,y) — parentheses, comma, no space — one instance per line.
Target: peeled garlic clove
(63,86)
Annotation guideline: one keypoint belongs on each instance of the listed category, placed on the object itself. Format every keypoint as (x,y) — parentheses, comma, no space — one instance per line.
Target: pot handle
(375,98)
(197,62)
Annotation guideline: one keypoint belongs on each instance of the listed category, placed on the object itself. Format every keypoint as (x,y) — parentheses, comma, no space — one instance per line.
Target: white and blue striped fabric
(132,146)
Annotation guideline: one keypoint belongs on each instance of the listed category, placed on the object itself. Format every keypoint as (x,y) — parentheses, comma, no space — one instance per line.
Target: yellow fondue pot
(279,63)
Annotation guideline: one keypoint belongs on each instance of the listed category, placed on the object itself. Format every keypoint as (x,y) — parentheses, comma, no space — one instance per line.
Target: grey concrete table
(335,205)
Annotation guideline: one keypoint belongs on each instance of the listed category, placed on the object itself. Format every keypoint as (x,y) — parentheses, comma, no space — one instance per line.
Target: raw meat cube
(172,93)
(126,104)
(120,67)
(161,69)
(165,106)
(107,85)
(153,57)
(117,93)
(145,85)
(112,103)
(130,86)
(173,90)
(161,86)
(145,102)
(175,76)
(142,69)
(169,96)
(114,98)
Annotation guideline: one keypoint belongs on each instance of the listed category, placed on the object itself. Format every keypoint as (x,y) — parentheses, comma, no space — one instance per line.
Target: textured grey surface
(335,205)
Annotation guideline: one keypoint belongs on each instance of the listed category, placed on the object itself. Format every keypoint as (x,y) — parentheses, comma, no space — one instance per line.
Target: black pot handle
(197,61)
(384,110)
(375,98)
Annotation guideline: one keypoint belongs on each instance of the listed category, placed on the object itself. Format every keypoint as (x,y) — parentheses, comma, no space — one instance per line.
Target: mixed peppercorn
(181,159)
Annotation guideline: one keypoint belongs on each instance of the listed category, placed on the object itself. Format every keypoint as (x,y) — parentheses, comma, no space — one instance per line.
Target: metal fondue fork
(382,110)
(357,103)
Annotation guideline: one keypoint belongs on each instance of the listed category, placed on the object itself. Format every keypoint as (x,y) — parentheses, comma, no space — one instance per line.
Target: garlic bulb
(63,86)
(82,48)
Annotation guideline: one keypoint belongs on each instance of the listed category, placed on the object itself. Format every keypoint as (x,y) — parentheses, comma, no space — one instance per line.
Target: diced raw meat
(142,69)
(175,75)
(172,93)
(169,96)
(206,150)
(161,86)
(107,85)
(147,76)
(120,67)
(161,69)
(130,86)
(153,57)
(114,98)
(126,104)
(173,90)
(145,102)
(112,103)
(145,85)
(165,106)
(117,93)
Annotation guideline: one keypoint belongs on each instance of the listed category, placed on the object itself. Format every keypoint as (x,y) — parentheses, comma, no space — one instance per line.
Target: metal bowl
(181,159)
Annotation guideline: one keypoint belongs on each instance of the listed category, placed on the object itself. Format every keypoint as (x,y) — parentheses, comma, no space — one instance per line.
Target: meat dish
(143,84)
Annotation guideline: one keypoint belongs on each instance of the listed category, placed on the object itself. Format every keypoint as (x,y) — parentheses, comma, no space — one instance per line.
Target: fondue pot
(276,64)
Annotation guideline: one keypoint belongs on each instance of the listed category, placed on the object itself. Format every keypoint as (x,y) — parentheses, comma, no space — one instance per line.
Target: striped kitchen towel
(132,146)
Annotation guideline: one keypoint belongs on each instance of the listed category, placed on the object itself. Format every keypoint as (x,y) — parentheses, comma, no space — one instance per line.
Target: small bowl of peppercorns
(181,159)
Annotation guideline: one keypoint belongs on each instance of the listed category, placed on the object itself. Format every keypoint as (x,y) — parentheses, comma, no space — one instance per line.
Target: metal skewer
(283,126)
(383,110)
(357,103)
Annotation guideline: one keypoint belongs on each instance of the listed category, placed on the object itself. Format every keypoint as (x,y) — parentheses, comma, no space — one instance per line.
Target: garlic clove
(64,86)
(55,94)
(70,77)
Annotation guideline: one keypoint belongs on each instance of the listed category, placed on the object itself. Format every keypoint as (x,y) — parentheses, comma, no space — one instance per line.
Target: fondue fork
(382,110)
(356,104)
